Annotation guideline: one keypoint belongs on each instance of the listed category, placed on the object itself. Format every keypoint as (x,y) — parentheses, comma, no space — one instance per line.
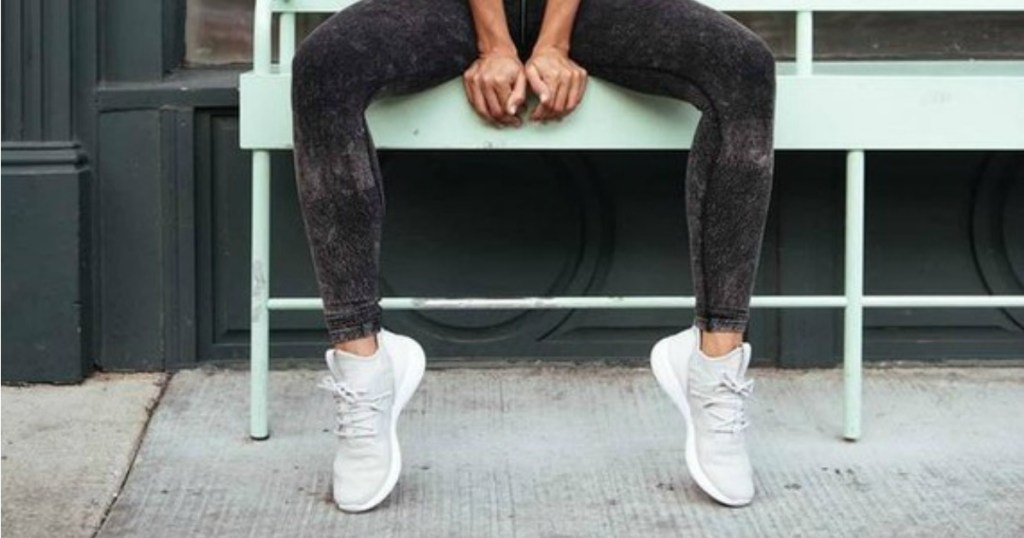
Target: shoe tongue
(362,372)
(735,362)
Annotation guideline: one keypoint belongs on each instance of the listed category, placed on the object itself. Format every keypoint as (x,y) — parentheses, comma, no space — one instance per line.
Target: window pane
(896,35)
(220,32)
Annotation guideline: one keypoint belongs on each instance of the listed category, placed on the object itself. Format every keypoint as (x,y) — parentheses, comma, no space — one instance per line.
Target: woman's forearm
(556,27)
(491,26)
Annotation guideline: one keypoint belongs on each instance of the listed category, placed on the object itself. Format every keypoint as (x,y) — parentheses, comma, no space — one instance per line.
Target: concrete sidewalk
(67,449)
(566,451)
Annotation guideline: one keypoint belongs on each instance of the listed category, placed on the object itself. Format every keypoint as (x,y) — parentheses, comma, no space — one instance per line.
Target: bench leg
(259,333)
(853,318)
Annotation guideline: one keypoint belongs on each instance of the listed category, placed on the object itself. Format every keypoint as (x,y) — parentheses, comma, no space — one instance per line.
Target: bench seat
(874,105)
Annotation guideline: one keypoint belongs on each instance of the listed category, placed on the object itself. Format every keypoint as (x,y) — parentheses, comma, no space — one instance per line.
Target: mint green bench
(851,106)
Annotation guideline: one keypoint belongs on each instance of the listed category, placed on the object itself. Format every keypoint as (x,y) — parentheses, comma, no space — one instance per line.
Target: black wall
(126,218)
(48,181)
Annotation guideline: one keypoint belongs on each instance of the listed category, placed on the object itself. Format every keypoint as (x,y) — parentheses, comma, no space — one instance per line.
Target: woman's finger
(494,108)
(539,112)
(479,103)
(557,89)
(467,85)
(575,91)
(503,90)
(562,94)
(518,95)
(538,84)
(583,86)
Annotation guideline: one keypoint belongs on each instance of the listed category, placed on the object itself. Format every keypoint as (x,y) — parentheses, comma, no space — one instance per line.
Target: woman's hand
(496,86)
(557,80)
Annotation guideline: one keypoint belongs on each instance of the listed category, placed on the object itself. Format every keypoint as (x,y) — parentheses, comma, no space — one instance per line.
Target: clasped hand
(496,85)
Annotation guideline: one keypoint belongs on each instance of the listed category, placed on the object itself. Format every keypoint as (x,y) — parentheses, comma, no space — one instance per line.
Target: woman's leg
(687,50)
(373,47)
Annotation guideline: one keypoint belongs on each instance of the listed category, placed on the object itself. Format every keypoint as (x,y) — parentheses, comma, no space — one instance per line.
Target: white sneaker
(710,394)
(370,393)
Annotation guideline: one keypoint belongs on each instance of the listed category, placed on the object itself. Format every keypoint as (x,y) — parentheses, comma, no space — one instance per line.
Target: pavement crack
(150,411)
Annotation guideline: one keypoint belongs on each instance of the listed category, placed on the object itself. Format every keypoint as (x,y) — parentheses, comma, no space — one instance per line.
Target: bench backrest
(322,6)
(286,10)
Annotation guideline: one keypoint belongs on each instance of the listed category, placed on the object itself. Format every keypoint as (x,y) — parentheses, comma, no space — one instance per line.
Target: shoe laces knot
(356,408)
(725,403)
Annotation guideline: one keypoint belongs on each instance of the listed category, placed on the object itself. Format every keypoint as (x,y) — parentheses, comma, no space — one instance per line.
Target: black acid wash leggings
(676,48)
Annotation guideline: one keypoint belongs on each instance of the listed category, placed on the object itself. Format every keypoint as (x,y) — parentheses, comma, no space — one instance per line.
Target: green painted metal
(912,69)
(261,32)
(804,43)
(320,6)
(286,41)
(259,334)
(850,106)
(964,106)
(582,302)
(853,312)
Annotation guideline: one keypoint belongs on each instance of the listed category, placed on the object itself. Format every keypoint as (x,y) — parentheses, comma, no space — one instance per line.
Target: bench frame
(930,88)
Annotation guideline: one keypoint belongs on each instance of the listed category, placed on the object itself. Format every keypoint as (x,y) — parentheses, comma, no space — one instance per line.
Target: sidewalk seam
(150,411)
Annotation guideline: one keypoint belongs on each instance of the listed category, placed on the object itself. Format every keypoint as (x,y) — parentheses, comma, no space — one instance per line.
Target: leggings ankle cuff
(718,323)
(345,334)
(353,324)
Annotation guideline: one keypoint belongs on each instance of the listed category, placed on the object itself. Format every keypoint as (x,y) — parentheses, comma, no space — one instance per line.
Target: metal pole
(259,333)
(804,42)
(285,41)
(853,318)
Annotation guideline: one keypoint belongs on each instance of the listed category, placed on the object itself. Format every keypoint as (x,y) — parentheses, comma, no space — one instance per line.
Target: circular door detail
(490,224)
(998,227)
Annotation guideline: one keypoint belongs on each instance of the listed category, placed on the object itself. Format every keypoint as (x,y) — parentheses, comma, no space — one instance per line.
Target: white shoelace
(356,409)
(724,402)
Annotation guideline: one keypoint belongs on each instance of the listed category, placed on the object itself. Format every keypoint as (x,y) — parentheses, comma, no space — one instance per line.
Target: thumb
(518,94)
(538,85)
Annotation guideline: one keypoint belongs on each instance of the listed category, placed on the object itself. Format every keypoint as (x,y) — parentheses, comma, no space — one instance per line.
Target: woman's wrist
(487,48)
(561,46)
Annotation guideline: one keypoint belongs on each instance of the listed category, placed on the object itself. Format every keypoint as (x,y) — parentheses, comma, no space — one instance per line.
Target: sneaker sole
(409,362)
(662,367)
